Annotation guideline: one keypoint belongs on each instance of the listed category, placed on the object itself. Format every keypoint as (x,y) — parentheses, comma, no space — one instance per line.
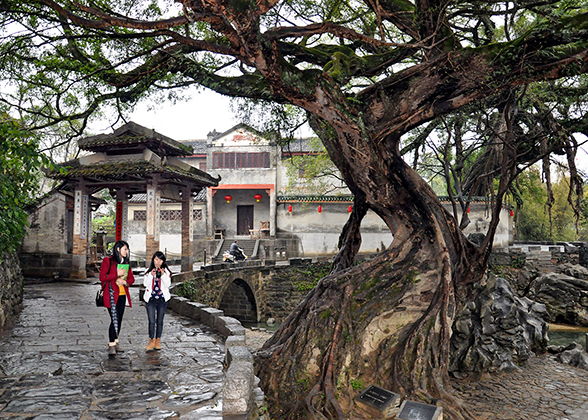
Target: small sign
(379,401)
(411,410)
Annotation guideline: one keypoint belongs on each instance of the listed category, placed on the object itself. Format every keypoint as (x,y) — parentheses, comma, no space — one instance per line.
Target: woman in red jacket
(116,276)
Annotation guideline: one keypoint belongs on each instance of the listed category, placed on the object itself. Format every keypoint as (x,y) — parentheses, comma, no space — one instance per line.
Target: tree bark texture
(387,321)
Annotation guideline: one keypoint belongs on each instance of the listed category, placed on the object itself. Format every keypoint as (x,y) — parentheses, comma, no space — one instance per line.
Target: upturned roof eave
(143,135)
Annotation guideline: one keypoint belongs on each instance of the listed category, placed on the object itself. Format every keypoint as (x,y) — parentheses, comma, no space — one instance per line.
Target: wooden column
(81,228)
(153,221)
(187,230)
(273,212)
(210,212)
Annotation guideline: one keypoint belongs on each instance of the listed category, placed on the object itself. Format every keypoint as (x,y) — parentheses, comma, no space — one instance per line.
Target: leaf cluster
(20,164)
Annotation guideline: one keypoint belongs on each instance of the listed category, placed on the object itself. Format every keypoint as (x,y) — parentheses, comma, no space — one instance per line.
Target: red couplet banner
(119,221)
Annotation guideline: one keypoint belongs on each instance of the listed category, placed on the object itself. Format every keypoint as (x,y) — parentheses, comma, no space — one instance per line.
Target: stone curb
(242,396)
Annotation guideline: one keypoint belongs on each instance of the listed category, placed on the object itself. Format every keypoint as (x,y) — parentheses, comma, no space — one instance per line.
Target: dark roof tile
(132,137)
(121,170)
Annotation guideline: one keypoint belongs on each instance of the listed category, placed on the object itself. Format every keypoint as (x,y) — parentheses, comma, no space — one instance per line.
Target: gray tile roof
(199,146)
(134,137)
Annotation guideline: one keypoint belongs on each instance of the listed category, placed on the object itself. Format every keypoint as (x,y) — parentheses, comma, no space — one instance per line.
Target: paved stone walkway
(54,365)
(54,362)
(543,389)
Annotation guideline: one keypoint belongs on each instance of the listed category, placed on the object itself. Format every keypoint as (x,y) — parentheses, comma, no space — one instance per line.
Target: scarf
(113,309)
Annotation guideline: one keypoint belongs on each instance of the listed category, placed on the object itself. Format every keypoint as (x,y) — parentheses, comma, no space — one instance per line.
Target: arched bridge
(252,291)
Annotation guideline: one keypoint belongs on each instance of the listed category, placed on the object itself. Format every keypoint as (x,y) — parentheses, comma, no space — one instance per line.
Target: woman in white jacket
(157,281)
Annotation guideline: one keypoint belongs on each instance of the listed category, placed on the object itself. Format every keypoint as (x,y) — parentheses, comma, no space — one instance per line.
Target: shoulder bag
(100,292)
(100,297)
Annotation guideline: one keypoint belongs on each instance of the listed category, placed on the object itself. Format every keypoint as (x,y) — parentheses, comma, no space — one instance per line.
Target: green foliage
(190,290)
(311,173)
(310,276)
(107,221)
(357,384)
(325,314)
(306,285)
(303,383)
(533,220)
(534,223)
(20,164)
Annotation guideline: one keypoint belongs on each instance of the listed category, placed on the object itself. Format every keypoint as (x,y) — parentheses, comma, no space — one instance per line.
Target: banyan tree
(366,74)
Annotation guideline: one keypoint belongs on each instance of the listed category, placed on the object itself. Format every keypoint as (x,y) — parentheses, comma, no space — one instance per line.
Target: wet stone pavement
(543,389)
(54,362)
(54,365)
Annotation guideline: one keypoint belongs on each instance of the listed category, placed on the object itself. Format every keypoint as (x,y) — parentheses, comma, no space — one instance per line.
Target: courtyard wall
(11,286)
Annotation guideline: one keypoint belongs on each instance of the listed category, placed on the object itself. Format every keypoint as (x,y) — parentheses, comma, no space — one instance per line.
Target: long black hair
(161,256)
(116,252)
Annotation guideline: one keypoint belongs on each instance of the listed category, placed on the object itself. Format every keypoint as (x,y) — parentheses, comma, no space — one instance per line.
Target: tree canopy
(375,79)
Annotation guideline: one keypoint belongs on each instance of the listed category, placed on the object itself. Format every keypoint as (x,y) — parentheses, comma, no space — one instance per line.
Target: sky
(191,119)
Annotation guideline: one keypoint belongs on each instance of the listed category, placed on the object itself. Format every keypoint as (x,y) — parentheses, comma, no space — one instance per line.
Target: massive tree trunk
(387,321)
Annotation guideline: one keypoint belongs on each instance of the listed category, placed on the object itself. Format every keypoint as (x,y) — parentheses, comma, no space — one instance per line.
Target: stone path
(543,389)
(54,365)
(54,362)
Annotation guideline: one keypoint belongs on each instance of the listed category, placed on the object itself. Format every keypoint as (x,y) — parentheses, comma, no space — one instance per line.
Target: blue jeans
(155,312)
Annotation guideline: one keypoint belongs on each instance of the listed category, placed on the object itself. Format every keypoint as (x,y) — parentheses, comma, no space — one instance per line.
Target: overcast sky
(188,120)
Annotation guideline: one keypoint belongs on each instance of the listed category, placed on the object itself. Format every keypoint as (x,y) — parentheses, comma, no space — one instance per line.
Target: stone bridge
(252,291)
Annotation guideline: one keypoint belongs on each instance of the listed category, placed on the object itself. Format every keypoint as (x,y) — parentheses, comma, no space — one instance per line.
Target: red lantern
(320,209)
(468,210)
(228,198)
(511,213)
(257,197)
(350,209)
(290,208)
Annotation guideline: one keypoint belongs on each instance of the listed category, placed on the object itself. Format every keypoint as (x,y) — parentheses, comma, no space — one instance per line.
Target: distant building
(253,200)
(257,200)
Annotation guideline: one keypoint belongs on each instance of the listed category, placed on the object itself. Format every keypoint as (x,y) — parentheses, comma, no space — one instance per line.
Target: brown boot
(158,344)
(150,345)
(111,350)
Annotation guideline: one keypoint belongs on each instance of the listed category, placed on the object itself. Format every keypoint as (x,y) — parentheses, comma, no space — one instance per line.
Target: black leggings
(120,311)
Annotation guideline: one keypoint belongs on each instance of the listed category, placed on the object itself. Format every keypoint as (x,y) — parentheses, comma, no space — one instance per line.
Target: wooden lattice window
(240,160)
(140,215)
(171,215)
(197,214)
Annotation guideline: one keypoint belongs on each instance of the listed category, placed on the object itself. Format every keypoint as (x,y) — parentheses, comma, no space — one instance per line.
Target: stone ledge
(241,393)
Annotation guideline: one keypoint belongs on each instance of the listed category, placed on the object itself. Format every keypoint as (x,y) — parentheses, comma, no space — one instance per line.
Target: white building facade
(255,199)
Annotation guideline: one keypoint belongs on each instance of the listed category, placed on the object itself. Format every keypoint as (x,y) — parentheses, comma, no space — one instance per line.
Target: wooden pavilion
(132,160)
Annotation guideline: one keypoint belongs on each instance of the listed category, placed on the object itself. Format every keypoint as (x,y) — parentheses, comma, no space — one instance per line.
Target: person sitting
(236,251)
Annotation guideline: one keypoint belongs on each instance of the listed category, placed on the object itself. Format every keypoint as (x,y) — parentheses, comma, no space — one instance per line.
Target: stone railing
(242,397)
(542,255)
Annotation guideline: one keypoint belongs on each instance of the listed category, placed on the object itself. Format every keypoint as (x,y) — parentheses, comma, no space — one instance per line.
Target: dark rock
(574,355)
(583,256)
(565,297)
(575,270)
(524,280)
(476,238)
(497,331)
(11,286)
(555,349)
